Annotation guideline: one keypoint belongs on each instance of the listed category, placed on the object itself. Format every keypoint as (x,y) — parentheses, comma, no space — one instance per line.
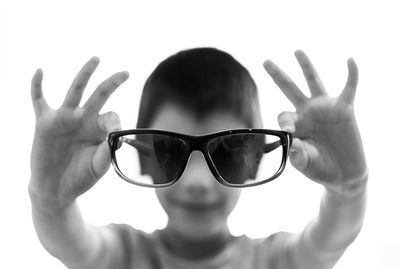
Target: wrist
(349,189)
(45,203)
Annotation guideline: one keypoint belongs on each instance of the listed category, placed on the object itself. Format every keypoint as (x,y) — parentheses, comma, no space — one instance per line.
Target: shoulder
(273,243)
(124,232)
(125,245)
(270,252)
(279,248)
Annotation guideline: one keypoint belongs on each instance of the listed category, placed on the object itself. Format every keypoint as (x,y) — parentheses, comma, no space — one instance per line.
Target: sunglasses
(236,158)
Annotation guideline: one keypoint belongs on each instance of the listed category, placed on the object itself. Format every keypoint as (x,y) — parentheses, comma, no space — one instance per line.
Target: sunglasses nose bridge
(199,144)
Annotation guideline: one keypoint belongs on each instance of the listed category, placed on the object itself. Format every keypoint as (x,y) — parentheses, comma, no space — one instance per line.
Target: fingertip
(299,53)
(125,75)
(95,60)
(270,67)
(38,74)
(93,63)
(353,72)
(121,77)
(267,64)
(286,121)
(39,103)
(37,79)
(351,64)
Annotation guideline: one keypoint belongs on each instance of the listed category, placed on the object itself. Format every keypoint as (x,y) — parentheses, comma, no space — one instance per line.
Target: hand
(70,152)
(327,145)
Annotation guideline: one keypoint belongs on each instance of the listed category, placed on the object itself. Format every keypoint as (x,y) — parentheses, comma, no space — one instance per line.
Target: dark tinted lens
(151,158)
(170,154)
(246,158)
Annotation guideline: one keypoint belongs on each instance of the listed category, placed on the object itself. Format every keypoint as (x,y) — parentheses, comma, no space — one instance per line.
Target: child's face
(197,205)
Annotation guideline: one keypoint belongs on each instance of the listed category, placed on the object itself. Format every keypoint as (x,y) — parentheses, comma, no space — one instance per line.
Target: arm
(67,237)
(69,155)
(325,238)
(327,148)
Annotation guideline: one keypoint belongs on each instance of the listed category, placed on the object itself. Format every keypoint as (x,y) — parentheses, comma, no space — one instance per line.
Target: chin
(198,229)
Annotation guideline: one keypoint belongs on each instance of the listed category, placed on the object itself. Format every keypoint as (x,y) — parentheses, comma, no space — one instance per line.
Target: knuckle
(35,82)
(102,92)
(79,85)
(283,80)
(310,75)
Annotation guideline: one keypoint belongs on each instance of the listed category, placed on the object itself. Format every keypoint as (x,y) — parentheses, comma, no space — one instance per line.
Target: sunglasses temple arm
(272,146)
(139,145)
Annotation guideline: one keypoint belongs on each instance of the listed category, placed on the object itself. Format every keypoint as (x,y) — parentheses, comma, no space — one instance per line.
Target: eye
(237,142)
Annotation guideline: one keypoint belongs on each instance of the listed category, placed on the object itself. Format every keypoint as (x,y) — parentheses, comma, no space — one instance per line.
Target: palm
(76,138)
(68,154)
(326,138)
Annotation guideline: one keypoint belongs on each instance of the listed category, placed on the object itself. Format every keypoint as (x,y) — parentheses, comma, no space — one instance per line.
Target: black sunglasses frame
(200,142)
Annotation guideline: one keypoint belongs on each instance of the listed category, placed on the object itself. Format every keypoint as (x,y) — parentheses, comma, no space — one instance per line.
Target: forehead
(177,119)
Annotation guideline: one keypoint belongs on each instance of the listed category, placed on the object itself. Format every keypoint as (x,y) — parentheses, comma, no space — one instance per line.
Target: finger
(311,75)
(109,122)
(75,92)
(287,86)
(302,154)
(101,160)
(287,121)
(104,90)
(39,103)
(349,90)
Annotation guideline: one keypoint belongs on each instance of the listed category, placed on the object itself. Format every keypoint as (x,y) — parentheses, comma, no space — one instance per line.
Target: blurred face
(197,205)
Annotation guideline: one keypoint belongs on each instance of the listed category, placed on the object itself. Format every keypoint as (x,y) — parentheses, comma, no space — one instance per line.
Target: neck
(194,248)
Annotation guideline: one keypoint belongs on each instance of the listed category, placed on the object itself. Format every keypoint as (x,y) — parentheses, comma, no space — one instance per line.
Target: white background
(59,36)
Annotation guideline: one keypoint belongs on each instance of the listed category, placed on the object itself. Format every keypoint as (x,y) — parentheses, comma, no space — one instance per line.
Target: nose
(197,178)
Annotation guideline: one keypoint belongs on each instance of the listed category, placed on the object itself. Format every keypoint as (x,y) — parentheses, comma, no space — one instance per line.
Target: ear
(257,120)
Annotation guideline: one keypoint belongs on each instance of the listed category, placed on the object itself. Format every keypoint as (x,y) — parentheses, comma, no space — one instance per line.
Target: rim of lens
(278,171)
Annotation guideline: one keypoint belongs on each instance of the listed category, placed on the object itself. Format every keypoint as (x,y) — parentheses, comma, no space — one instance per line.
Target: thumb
(107,122)
(302,154)
(101,160)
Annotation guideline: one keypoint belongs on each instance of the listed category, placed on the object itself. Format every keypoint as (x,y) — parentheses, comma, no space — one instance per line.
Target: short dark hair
(202,81)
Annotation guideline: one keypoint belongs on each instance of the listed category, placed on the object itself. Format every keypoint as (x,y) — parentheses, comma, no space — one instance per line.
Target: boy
(196,92)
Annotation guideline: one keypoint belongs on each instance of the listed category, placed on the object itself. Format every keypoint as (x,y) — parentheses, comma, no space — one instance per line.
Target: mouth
(197,206)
